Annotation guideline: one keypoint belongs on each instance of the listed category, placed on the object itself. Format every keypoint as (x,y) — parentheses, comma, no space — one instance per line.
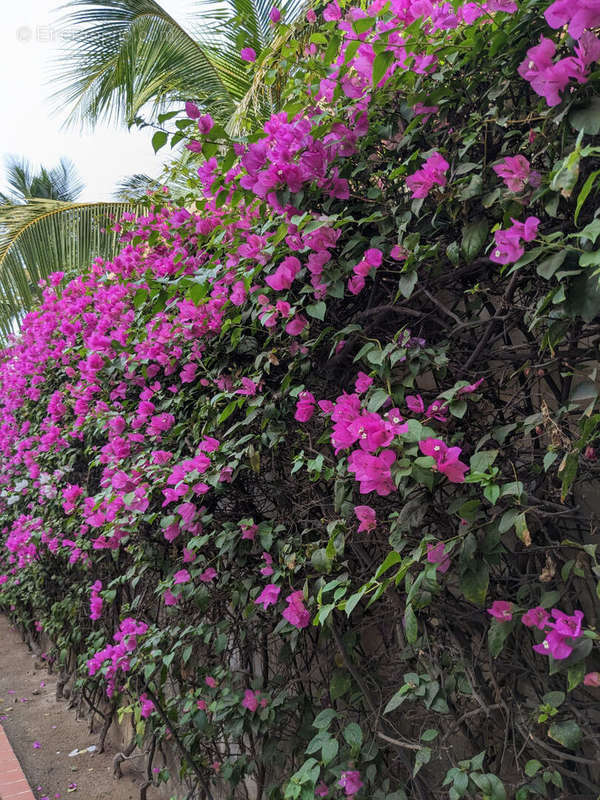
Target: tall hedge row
(304,482)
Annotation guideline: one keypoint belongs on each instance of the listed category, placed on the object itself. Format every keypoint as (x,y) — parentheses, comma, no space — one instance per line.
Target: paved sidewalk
(13,783)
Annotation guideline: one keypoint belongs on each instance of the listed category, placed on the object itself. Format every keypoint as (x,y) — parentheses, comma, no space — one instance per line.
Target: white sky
(29,41)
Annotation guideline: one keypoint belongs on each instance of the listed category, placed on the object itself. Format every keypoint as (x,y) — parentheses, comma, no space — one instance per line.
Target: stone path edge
(13,783)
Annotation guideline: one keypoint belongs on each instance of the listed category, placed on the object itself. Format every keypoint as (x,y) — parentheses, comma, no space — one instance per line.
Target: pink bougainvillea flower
(36,745)
(366,517)
(305,407)
(526,230)
(210,681)
(437,410)
(249,387)
(507,248)
(170,598)
(356,284)
(431,173)
(192,110)
(415,403)
(567,625)
(436,555)
(371,431)
(205,124)
(201,705)
(517,173)
(249,531)
(275,14)
(322,790)
(399,253)
(536,618)
(373,472)
(296,325)
(268,596)
(362,383)
(332,12)
(373,256)
(446,459)
(507,6)
(472,387)
(285,274)
(209,574)
(250,700)
(501,609)
(592,679)
(578,15)
(183,576)
(350,782)
(395,423)
(549,78)
(296,614)
(248,54)
(554,645)
(147,706)
(268,568)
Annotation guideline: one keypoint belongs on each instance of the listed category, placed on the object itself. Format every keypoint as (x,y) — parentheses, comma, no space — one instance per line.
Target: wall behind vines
(304,480)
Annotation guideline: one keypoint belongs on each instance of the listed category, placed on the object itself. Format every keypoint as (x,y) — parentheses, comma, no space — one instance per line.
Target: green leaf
(532,767)
(159,140)
(324,718)
(585,190)
(317,310)
(498,633)
(423,757)
(407,283)
(461,783)
(353,735)
(333,48)
(474,583)
(329,750)
(567,733)
(547,267)
(397,699)
(483,460)
(587,120)
(473,238)
(575,675)
(339,685)
(410,625)
(377,399)
(381,64)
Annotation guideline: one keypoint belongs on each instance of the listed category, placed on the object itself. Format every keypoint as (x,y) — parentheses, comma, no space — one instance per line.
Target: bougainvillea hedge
(305,480)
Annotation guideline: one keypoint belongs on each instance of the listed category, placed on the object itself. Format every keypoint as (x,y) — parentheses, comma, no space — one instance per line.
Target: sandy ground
(30,714)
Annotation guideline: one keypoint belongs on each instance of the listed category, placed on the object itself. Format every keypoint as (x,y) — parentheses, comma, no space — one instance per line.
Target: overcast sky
(29,41)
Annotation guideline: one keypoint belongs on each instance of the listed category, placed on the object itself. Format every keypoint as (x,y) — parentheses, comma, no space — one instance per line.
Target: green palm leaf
(130,56)
(128,53)
(43,236)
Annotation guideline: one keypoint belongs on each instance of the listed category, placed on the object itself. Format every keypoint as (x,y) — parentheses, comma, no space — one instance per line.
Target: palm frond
(59,183)
(127,53)
(44,236)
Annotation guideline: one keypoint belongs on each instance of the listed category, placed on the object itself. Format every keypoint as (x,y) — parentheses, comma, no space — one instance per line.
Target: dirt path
(31,716)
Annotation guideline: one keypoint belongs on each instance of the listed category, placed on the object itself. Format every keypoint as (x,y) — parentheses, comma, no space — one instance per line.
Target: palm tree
(60,183)
(43,229)
(129,57)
